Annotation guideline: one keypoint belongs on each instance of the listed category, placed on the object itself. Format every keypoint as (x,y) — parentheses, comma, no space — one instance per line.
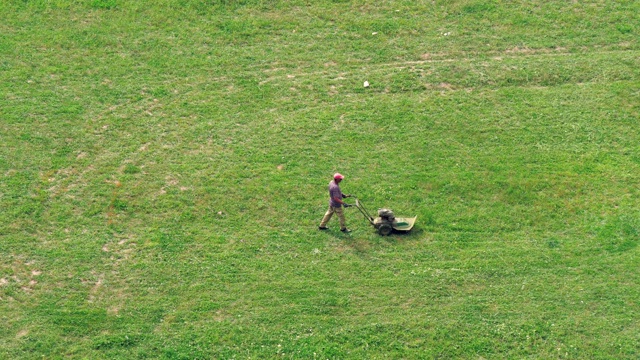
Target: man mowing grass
(335,204)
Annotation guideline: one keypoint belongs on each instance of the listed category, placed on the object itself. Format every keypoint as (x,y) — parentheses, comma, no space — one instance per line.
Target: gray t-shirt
(334,192)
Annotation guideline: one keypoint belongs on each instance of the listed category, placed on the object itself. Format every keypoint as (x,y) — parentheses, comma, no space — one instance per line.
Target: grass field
(164,165)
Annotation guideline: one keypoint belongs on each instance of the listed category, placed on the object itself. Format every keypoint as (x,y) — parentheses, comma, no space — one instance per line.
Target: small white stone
(366,84)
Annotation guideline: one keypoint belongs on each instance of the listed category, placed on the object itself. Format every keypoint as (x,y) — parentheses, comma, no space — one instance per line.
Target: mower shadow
(362,240)
(415,232)
(403,236)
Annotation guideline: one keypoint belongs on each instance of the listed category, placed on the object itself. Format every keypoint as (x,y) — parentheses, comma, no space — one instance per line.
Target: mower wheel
(385,229)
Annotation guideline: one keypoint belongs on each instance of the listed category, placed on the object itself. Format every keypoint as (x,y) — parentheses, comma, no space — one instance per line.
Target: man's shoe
(322,228)
(345,230)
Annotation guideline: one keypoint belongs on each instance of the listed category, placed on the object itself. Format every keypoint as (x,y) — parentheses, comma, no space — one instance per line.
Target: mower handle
(362,209)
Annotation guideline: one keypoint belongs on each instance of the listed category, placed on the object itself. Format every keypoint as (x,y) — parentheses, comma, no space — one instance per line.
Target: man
(335,204)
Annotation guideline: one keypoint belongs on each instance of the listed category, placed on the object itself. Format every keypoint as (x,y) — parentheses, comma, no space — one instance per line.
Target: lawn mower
(386,221)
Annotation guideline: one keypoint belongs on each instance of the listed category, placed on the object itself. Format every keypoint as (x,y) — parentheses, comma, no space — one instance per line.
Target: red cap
(337,176)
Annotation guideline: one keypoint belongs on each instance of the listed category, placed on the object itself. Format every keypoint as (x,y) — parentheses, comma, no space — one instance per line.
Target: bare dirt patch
(520,50)
(171,181)
(446,86)
(97,285)
(113,310)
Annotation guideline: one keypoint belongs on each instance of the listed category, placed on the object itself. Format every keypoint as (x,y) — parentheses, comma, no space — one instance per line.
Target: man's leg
(340,212)
(327,217)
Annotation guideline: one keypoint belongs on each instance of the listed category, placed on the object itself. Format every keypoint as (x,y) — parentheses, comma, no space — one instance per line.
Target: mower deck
(404,224)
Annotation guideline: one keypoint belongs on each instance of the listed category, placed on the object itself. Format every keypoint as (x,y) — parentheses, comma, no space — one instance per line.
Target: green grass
(163,170)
